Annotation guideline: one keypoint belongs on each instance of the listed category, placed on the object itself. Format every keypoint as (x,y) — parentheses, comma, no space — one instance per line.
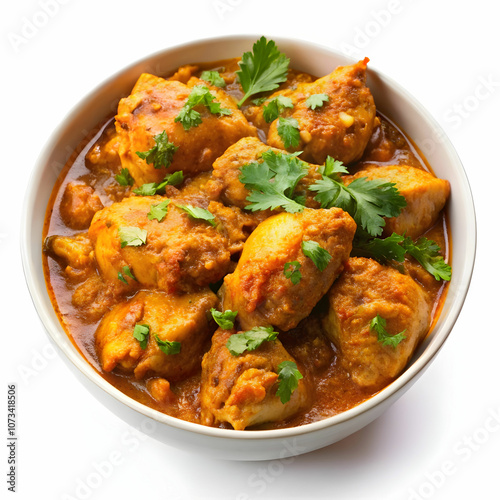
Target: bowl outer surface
(101,103)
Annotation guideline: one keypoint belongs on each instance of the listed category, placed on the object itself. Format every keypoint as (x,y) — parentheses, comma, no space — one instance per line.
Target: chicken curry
(248,246)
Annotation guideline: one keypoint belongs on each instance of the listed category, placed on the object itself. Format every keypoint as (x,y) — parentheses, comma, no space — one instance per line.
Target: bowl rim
(54,328)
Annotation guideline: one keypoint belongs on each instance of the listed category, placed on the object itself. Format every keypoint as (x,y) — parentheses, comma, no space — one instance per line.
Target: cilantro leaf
(125,272)
(317,254)
(263,69)
(426,252)
(333,168)
(152,188)
(382,249)
(141,333)
(291,271)
(213,78)
(159,211)
(198,213)
(168,347)
(378,324)
(238,343)
(161,154)
(367,201)
(132,236)
(224,319)
(124,178)
(288,130)
(288,376)
(275,106)
(316,100)
(200,95)
(272,182)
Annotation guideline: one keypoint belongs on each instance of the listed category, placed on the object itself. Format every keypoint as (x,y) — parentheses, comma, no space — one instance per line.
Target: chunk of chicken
(173,318)
(152,108)
(79,204)
(259,290)
(364,289)
(241,390)
(180,252)
(425,196)
(226,186)
(341,127)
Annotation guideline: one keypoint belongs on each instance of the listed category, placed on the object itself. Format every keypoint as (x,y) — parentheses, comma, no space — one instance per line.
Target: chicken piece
(152,108)
(180,253)
(363,290)
(341,127)
(185,319)
(75,251)
(425,196)
(79,204)
(259,290)
(226,186)
(242,389)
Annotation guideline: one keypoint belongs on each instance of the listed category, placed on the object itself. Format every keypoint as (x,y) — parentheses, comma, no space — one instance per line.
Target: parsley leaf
(124,178)
(152,188)
(161,154)
(141,333)
(132,236)
(288,376)
(275,106)
(159,211)
(263,69)
(167,346)
(291,271)
(288,130)
(367,201)
(198,213)
(382,249)
(426,252)
(317,254)
(273,181)
(238,343)
(125,272)
(224,319)
(200,95)
(316,100)
(378,324)
(213,78)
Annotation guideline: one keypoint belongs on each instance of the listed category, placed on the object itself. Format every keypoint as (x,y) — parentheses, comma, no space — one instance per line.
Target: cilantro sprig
(238,343)
(263,69)
(141,333)
(132,236)
(124,178)
(198,213)
(152,188)
(291,271)
(161,154)
(288,376)
(367,201)
(315,101)
(224,319)
(125,272)
(383,336)
(200,95)
(316,253)
(159,210)
(395,247)
(273,182)
(288,130)
(168,347)
(275,106)
(213,78)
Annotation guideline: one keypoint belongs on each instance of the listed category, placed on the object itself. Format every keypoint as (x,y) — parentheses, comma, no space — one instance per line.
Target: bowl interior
(390,99)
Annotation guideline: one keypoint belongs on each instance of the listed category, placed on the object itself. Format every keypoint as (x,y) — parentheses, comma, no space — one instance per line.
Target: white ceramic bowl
(393,101)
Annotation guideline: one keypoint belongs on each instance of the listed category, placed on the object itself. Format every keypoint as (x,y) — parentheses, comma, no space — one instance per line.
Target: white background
(439,440)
